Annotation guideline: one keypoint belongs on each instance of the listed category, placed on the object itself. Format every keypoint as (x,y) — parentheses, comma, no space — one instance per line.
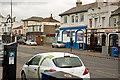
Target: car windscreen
(67,62)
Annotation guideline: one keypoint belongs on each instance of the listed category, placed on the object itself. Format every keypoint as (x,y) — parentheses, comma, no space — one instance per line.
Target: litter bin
(115,52)
(59,75)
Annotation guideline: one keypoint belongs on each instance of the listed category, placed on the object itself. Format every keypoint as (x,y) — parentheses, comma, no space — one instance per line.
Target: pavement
(74,51)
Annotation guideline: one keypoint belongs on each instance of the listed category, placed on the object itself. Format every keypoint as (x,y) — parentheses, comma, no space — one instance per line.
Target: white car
(31,42)
(54,61)
(58,44)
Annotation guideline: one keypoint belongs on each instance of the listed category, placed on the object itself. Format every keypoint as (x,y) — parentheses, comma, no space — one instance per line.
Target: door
(38,40)
(103,40)
(33,67)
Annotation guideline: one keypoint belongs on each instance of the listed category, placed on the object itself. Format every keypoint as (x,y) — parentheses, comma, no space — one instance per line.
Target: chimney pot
(78,3)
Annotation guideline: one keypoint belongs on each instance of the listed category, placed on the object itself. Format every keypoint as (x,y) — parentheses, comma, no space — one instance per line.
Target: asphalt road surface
(100,68)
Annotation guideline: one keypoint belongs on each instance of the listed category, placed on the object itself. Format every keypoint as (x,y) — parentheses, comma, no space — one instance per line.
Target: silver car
(58,44)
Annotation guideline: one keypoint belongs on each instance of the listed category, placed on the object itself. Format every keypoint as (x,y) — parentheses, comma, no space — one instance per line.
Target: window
(90,21)
(9,29)
(65,19)
(29,29)
(96,20)
(66,62)
(40,28)
(35,60)
(19,31)
(114,21)
(2,29)
(81,17)
(103,21)
(76,19)
(113,40)
(72,19)
(36,28)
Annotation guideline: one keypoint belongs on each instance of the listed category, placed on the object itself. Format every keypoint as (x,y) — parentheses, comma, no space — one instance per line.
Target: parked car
(58,44)
(54,61)
(31,42)
(22,41)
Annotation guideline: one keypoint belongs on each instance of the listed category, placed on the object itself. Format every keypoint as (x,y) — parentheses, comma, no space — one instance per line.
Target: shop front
(36,36)
(72,36)
(109,37)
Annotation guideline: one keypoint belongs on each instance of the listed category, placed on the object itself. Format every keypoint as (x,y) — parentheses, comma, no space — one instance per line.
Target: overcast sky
(42,8)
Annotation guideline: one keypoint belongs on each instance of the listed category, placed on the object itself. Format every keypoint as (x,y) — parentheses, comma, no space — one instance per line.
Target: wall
(99,13)
(69,22)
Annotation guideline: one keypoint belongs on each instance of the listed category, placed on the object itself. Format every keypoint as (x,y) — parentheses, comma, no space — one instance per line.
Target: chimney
(51,16)
(78,3)
(100,3)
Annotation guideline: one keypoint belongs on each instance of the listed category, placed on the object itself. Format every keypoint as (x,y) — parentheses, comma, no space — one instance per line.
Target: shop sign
(50,35)
(94,31)
(36,33)
(106,31)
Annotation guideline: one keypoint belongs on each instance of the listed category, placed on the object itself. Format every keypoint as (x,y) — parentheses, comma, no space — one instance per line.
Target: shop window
(113,40)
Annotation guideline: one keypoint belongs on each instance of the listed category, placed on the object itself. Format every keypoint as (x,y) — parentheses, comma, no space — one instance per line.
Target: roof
(116,3)
(33,19)
(82,8)
(20,27)
(57,54)
(1,16)
(50,19)
(116,12)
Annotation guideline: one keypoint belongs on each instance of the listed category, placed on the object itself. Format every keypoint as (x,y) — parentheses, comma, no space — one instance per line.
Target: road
(100,68)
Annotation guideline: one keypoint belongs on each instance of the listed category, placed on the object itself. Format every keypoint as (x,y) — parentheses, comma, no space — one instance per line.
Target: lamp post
(11,22)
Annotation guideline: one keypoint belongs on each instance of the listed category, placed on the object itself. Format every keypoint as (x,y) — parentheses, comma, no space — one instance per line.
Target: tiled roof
(33,19)
(82,8)
(50,19)
(20,27)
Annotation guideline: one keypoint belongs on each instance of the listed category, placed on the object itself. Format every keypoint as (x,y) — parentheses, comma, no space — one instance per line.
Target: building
(39,28)
(90,26)
(73,26)
(6,28)
(103,29)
